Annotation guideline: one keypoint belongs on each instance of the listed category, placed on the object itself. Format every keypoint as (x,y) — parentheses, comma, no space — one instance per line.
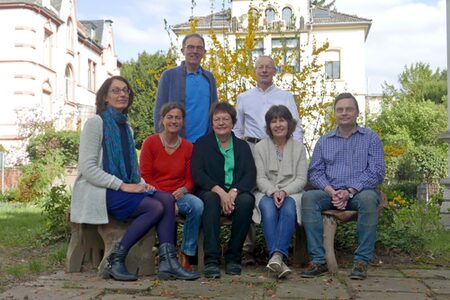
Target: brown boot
(184,261)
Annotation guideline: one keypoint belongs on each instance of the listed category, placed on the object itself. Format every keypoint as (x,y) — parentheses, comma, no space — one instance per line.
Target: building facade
(51,64)
(293,24)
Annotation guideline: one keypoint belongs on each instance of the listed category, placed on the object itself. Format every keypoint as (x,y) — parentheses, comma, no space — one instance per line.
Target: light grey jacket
(89,192)
(290,176)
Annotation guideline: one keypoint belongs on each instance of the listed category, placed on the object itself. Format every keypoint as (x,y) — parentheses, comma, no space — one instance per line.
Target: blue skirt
(121,204)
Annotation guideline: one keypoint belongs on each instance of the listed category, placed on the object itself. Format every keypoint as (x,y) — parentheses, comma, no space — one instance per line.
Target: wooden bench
(329,230)
(224,221)
(90,245)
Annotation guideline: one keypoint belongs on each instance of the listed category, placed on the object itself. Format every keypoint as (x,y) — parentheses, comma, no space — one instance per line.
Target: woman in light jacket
(109,184)
(281,176)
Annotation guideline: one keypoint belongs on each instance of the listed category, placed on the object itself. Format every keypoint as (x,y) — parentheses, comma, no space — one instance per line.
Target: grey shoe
(285,271)
(359,271)
(275,262)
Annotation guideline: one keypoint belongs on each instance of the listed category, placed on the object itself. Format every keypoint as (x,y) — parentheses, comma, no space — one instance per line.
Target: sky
(403,32)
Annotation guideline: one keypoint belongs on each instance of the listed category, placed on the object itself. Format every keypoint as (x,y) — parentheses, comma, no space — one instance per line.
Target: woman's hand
(226,201)
(278,198)
(178,193)
(133,187)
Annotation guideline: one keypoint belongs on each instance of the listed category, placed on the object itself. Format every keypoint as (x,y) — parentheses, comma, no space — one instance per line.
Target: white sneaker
(275,263)
(285,271)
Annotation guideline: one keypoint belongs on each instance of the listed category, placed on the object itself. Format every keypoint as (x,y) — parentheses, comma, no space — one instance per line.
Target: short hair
(266,56)
(191,35)
(345,96)
(226,107)
(280,111)
(168,107)
(100,104)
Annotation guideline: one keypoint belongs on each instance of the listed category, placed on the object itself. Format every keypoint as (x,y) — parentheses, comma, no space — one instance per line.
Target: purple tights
(157,210)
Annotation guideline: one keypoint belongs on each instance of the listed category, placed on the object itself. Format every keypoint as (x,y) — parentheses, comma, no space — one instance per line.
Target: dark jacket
(172,88)
(207,165)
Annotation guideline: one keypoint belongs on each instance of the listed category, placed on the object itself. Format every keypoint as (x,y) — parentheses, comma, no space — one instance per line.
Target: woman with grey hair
(281,175)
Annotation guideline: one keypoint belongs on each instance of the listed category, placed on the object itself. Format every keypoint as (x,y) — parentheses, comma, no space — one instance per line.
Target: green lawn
(22,254)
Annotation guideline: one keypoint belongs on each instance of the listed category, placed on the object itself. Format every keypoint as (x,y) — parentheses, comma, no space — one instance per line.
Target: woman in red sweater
(166,165)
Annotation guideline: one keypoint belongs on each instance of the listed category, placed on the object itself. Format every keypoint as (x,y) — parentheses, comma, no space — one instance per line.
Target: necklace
(279,151)
(167,145)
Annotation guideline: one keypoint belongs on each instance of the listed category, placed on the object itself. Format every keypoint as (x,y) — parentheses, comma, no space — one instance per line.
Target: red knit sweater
(166,172)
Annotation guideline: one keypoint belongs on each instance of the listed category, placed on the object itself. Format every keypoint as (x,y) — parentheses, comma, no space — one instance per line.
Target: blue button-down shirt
(355,162)
(197,105)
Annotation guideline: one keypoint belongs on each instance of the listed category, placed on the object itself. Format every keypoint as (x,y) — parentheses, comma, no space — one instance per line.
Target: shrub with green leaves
(55,206)
(67,142)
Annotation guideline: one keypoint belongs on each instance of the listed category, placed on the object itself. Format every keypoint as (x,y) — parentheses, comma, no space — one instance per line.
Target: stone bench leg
(85,247)
(140,259)
(329,231)
(200,252)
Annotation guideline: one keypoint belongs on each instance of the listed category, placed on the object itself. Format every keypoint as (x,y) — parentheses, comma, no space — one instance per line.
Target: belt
(251,139)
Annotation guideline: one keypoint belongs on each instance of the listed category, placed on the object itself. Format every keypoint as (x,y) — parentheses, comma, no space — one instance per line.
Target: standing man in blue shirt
(191,85)
(346,167)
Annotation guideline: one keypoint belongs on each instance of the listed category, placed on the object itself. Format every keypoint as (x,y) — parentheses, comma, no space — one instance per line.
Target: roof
(320,16)
(325,16)
(96,26)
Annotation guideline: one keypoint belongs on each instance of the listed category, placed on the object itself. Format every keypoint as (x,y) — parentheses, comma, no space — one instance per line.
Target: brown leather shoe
(184,261)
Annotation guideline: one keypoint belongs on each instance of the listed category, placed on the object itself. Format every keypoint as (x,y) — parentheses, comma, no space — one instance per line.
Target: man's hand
(341,199)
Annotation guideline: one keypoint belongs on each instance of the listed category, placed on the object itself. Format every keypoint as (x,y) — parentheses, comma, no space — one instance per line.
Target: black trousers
(241,219)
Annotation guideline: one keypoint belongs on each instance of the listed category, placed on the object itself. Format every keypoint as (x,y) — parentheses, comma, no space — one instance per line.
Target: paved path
(394,282)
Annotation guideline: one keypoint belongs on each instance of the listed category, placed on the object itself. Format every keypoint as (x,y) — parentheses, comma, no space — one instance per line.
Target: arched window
(69,83)
(270,16)
(286,15)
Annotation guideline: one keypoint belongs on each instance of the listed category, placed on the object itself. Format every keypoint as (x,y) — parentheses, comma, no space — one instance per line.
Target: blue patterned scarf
(113,159)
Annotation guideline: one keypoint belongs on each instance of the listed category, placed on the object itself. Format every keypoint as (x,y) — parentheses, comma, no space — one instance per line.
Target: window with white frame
(256,52)
(69,84)
(287,17)
(91,74)
(270,17)
(333,64)
(289,50)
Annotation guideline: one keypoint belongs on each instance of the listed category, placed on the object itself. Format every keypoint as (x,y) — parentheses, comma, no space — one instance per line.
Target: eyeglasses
(176,118)
(116,91)
(341,110)
(220,120)
(262,67)
(192,47)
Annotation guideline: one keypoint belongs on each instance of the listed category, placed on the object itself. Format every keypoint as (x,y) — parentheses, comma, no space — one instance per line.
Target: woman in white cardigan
(281,176)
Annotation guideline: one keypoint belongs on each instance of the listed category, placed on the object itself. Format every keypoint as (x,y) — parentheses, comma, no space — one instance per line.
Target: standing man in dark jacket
(191,85)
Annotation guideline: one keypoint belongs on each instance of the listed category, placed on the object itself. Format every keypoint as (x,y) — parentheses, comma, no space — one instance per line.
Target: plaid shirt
(354,162)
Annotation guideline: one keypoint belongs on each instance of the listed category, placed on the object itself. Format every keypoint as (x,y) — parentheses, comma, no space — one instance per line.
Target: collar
(270,88)
(198,72)
(337,134)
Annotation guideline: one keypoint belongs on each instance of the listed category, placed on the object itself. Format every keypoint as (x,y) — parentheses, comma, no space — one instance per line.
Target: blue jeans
(191,207)
(365,202)
(278,224)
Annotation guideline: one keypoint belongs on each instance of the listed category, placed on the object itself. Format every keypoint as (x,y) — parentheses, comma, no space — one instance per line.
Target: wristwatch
(350,194)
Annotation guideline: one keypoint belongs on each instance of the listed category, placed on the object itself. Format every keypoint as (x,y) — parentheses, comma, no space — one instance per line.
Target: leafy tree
(143,75)
(323,3)
(410,123)
(420,83)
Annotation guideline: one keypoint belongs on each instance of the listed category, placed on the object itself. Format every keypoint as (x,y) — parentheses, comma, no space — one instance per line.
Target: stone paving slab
(326,287)
(49,293)
(392,296)
(427,273)
(384,284)
(438,286)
